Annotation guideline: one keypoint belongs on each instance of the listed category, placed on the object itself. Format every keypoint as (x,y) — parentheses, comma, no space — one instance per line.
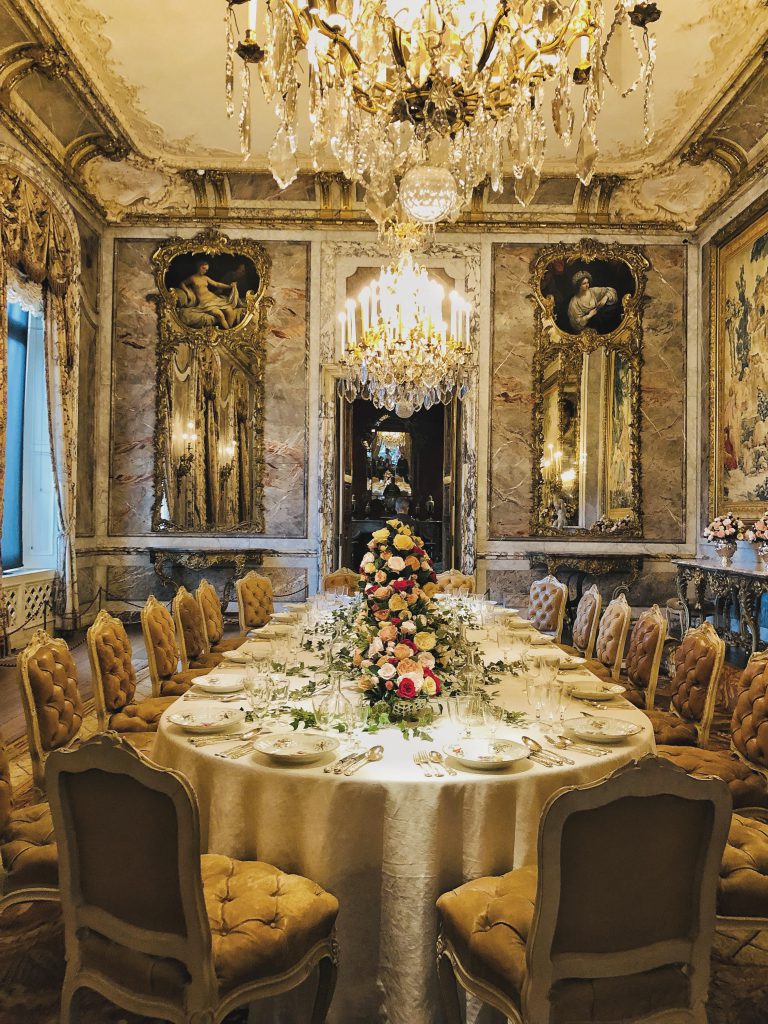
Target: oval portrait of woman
(210,291)
(588,294)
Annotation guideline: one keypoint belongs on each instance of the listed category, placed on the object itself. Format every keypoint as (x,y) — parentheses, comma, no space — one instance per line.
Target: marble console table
(736,584)
(200,561)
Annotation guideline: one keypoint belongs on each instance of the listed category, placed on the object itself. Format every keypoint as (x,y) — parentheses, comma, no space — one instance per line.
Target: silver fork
(417,760)
(236,752)
(437,758)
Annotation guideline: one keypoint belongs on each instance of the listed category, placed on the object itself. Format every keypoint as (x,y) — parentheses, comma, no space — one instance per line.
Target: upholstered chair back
(112,671)
(50,695)
(110,806)
(190,628)
(644,654)
(452,581)
(160,641)
(254,600)
(586,621)
(210,606)
(698,662)
(6,789)
(612,634)
(546,607)
(749,723)
(588,919)
(346,579)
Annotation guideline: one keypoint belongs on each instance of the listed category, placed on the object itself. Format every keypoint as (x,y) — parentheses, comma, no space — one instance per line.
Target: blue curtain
(11,541)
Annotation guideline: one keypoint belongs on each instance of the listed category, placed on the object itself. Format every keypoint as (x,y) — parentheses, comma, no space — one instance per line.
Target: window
(28,538)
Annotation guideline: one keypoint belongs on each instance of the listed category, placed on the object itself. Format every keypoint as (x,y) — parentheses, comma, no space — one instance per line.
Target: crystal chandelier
(420,100)
(397,349)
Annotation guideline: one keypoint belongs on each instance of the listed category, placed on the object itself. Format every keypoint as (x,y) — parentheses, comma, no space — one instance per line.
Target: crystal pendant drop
(282,158)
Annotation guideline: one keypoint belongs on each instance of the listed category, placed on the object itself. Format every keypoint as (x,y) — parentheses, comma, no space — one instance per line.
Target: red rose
(402,584)
(395,621)
(408,643)
(417,552)
(407,688)
(433,577)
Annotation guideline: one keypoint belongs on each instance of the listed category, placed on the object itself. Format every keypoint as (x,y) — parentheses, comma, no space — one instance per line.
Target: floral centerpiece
(403,640)
(728,528)
(758,533)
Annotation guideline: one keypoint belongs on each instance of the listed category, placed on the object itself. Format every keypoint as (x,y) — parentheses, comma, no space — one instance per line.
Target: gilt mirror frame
(242,344)
(552,341)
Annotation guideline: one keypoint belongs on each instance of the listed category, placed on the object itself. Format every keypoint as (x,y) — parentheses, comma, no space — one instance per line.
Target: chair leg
(449,991)
(326,984)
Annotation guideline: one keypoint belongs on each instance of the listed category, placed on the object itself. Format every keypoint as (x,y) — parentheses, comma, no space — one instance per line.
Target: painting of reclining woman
(210,291)
(741,379)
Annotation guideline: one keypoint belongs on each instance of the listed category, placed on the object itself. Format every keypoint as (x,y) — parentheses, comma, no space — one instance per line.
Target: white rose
(425,659)
(368,568)
(367,558)
(408,627)
(417,677)
(387,671)
(375,648)
(396,563)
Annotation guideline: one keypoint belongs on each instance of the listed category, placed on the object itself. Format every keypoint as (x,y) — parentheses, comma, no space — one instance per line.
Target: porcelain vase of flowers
(758,534)
(724,532)
(403,641)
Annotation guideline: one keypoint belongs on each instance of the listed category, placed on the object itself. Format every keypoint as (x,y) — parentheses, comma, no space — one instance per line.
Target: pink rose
(396,564)
(387,671)
(389,684)
(387,632)
(380,577)
(408,627)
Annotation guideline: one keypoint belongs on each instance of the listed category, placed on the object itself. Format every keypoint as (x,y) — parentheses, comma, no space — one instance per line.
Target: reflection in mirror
(210,385)
(586,466)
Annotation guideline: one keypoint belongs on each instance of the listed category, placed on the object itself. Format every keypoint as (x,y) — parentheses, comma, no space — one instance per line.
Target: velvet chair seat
(600,670)
(671,730)
(28,849)
(229,643)
(743,887)
(178,683)
(488,920)
(206,661)
(141,717)
(747,787)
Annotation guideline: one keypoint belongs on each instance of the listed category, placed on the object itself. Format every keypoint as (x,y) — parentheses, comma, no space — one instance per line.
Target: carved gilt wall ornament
(209,426)
(586,479)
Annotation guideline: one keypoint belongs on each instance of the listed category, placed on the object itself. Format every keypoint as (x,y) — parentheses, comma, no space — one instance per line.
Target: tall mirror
(210,385)
(586,381)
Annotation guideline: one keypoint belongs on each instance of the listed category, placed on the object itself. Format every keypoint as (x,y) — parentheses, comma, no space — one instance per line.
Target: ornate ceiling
(127,100)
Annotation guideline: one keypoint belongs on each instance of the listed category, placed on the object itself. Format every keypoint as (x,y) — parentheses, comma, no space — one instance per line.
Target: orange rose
(387,632)
(408,667)
(381,616)
(412,598)
(412,562)
(402,651)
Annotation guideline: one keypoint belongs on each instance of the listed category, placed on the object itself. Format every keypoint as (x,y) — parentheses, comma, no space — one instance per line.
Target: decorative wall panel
(134,342)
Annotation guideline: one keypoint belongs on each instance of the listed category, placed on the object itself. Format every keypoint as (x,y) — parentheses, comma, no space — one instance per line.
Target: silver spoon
(374,754)
(536,748)
(437,758)
(562,742)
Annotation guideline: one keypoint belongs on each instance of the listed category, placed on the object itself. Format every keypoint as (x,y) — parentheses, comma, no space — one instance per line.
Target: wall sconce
(188,438)
(227,467)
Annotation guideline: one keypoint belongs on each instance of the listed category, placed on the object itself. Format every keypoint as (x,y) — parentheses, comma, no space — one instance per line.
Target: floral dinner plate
(569,661)
(204,717)
(596,729)
(221,683)
(595,690)
(486,754)
(301,747)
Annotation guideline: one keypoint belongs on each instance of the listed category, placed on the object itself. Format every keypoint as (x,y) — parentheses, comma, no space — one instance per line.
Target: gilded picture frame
(564,332)
(617,488)
(209,423)
(739,367)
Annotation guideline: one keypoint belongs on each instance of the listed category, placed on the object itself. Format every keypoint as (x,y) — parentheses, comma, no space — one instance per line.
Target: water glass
(259,690)
(493,716)
(470,709)
(356,721)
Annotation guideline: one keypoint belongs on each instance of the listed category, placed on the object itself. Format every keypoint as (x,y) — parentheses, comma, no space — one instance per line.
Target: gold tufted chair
(641,665)
(342,579)
(546,606)
(194,647)
(742,894)
(611,637)
(585,624)
(698,662)
(210,606)
(201,935)
(568,940)
(452,581)
(745,767)
(163,652)
(50,696)
(254,601)
(114,684)
(27,847)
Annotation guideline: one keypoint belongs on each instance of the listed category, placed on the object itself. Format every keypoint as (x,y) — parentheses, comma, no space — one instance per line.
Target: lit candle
(343,324)
(252,8)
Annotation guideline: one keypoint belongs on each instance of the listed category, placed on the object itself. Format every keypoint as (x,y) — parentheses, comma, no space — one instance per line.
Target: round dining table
(386,841)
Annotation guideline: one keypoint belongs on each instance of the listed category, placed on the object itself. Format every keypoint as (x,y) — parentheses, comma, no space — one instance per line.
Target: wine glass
(259,690)
(493,715)
(356,721)
(470,709)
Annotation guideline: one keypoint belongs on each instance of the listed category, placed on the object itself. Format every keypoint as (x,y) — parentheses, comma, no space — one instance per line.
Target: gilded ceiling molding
(723,151)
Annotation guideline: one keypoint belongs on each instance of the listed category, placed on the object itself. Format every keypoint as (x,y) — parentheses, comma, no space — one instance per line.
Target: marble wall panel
(133,390)
(86,412)
(135,583)
(651,586)
(663,393)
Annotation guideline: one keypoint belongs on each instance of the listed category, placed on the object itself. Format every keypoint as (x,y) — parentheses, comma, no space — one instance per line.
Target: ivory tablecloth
(387,842)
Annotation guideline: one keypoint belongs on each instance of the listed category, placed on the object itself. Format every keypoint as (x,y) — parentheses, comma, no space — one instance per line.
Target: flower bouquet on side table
(758,534)
(724,531)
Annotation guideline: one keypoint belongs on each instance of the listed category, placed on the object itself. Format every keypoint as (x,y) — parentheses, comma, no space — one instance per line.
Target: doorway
(403,467)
